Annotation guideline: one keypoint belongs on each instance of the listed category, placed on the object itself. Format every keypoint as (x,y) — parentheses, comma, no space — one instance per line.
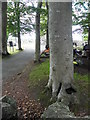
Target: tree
(47,32)
(4,26)
(61,56)
(37,45)
(81,16)
(0,27)
(18,22)
(18,25)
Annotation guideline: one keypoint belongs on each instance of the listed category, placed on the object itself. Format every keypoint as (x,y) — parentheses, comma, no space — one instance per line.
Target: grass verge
(12,51)
(41,71)
(39,76)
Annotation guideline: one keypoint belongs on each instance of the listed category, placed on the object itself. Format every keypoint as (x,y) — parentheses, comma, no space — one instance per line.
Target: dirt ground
(17,87)
(29,106)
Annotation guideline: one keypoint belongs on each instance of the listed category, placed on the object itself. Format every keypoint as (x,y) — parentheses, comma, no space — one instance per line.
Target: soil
(17,87)
(29,106)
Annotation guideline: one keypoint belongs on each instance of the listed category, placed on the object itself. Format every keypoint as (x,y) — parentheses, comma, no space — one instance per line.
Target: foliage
(43,19)
(81,15)
(26,18)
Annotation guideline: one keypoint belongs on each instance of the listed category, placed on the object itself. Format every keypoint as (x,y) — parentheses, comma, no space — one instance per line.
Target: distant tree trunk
(37,44)
(61,55)
(47,32)
(89,48)
(89,35)
(18,26)
(4,28)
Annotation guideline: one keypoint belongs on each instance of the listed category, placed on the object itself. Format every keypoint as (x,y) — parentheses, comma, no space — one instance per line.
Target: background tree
(4,26)
(37,44)
(81,17)
(61,56)
(18,25)
(20,19)
(47,32)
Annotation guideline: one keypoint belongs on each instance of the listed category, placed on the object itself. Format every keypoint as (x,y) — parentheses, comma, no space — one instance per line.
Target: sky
(76,35)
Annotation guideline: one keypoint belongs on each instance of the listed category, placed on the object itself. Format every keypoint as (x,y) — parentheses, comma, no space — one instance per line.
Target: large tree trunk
(61,55)
(0,27)
(0,56)
(37,44)
(4,27)
(47,32)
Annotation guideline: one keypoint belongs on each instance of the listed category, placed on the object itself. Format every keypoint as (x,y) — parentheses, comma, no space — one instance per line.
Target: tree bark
(18,25)
(61,53)
(37,44)
(4,28)
(0,27)
(89,35)
(47,32)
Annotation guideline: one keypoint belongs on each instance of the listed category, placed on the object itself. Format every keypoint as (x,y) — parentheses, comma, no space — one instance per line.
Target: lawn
(12,50)
(38,79)
(42,71)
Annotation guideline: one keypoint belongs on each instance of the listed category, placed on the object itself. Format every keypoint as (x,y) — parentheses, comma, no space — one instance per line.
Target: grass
(39,76)
(81,77)
(41,72)
(12,50)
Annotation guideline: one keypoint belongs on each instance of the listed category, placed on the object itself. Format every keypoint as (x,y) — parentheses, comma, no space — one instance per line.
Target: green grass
(81,77)
(12,51)
(40,72)
(39,76)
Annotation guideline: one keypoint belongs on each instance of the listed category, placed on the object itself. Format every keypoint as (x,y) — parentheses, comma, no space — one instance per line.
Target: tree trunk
(4,28)
(89,51)
(89,36)
(0,27)
(61,55)
(18,24)
(37,44)
(47,32)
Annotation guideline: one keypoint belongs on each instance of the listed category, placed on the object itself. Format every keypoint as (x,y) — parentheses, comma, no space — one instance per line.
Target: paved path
(16,63)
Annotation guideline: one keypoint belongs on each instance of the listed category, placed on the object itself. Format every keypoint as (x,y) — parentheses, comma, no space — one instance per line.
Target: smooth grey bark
(47,32)
(61,53)
(4,27)
(0,56)
(0,27)
(37,44)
